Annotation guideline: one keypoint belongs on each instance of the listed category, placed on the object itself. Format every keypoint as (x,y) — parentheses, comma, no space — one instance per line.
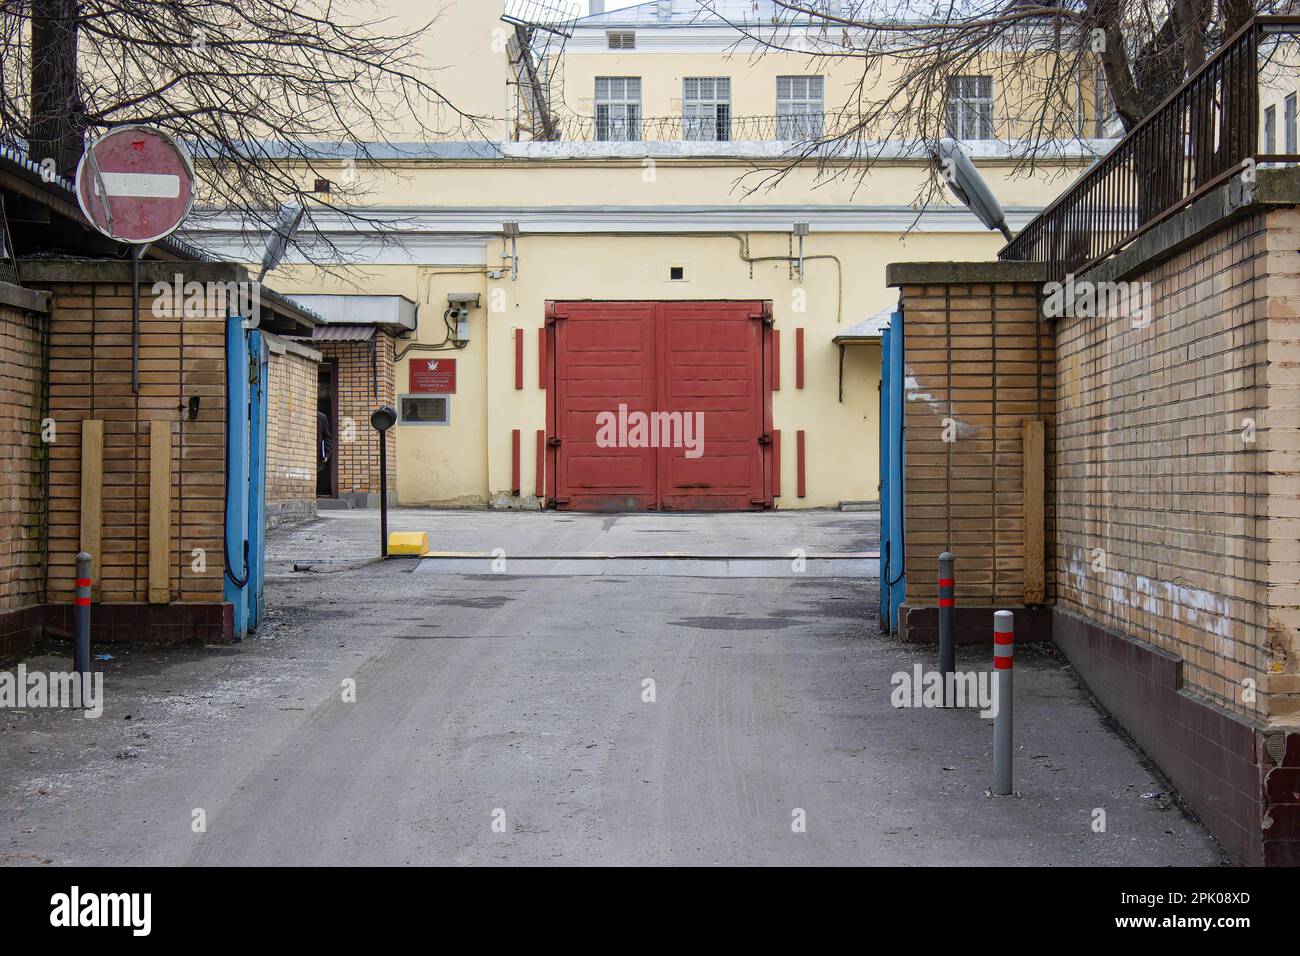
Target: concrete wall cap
(963,273)
(29,300)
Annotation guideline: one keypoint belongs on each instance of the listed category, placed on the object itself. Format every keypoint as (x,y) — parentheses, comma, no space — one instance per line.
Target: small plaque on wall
(433,375)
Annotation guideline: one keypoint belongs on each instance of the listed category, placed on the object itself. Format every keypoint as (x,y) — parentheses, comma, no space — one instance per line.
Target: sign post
(135,184)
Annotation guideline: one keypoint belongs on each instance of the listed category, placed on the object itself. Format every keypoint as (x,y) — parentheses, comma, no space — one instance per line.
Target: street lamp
(381,419)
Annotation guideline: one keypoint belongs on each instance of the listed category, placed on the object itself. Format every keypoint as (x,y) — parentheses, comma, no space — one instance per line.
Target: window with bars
(970,107)
(800,107)
(706,108)
(618,108)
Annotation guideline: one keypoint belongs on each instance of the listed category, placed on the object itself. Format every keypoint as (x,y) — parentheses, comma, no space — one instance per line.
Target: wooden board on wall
(1035,470)
(92,493)
(160,501)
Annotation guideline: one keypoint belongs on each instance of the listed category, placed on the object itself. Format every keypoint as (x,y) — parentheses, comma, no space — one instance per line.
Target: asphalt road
(504,719)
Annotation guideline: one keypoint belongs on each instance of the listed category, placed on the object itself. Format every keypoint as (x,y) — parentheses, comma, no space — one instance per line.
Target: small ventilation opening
(621,39)
(676,273)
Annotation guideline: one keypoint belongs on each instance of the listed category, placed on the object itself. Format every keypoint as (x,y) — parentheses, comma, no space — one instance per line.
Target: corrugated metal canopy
(343,333)
(866,331)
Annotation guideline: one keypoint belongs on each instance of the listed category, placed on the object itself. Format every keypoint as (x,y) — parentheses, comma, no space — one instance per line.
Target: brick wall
(976,355)
(1280,446)
(358,459)
(291,432)
(90,378)
(22,470)
(1173,504)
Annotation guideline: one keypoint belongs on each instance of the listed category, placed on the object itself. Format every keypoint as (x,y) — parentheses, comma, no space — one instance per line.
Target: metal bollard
(1004,648)
(81,636)
(947,641)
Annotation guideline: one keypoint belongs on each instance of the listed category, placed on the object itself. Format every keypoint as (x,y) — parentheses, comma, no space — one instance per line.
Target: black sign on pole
(383,418)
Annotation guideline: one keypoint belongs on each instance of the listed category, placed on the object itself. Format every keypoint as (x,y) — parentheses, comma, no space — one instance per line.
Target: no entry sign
(135,184)
(433,375)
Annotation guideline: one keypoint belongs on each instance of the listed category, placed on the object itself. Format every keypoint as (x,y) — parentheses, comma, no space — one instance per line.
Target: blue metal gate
(245,526)
(892,568)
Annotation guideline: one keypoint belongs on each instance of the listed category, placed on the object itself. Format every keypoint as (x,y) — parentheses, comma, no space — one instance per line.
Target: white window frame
(1103,106)
(800,108)
(970,107)
(1270,129)
(706,108)
(618,109)
(401,409)
(1289,121)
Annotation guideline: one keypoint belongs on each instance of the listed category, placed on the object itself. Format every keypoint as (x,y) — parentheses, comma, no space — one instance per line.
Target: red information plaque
(436,375)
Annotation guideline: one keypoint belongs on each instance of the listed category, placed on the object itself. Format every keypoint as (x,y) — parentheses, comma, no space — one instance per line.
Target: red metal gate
(659,406)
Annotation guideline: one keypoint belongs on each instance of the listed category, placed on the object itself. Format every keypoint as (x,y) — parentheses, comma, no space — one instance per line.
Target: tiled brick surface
(22,465)
(977,355)
(1175,528)
(359,458)
(90,377)
(291,434)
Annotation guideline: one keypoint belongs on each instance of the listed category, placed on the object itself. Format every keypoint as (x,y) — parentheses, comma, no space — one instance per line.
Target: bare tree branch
(266,93)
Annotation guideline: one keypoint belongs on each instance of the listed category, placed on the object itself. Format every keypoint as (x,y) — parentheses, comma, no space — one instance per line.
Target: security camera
(458,306)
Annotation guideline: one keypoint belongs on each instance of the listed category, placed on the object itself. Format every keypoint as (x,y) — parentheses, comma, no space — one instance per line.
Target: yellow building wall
(753,78)
(468,463)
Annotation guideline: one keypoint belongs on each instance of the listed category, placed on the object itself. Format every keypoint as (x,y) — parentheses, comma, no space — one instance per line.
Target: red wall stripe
(776,360)
(799,450)
(776,464)
(519,358)
(539,483)
(514,462)
(541,360)
(798,359)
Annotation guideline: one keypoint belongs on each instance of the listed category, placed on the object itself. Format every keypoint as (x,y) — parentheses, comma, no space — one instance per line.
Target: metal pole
(81,634)
(1004,647)
(383,493)
(947,642)
(135,318)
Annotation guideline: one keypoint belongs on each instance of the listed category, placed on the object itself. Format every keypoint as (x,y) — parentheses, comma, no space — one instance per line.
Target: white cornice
(458,237)
(1084,150)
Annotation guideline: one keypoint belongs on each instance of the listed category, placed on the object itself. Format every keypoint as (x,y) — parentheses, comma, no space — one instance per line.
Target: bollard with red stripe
(947,640)
(1004,647)
(81,614)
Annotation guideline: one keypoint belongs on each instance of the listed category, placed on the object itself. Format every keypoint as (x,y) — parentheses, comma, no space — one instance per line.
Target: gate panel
(685,383)
(710,367)
(604,358)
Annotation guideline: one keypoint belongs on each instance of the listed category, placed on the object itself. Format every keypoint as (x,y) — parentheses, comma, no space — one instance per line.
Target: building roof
(340,333)
(868,330)
(766,13)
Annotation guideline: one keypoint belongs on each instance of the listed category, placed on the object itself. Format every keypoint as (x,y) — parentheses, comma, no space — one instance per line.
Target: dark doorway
(327,430)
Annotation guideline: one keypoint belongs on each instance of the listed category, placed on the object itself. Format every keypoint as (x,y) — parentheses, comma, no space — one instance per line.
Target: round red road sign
(135,184)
